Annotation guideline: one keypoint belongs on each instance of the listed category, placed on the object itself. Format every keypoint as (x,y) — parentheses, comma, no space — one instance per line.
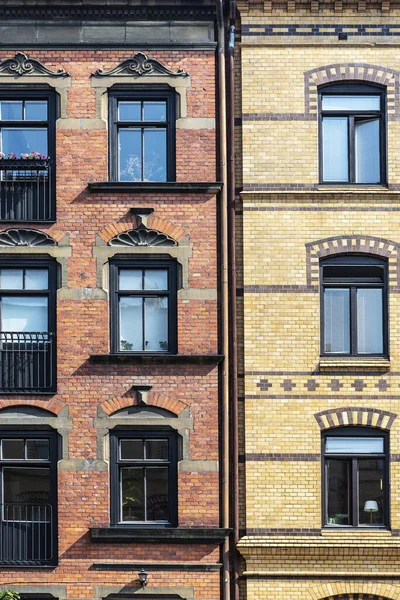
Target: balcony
(26,534)
(27,362)
(26,190)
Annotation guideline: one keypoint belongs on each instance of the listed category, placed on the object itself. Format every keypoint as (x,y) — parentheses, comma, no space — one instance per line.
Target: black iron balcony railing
(26,534)
(26,191)
(27,362)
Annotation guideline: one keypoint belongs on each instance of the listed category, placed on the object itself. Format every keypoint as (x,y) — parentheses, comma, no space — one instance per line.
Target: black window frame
(354,260)
(353,491)
(27,262)
(353,89)
(118,434)
(36,93)
(52,462)
(145,263)
(142,93)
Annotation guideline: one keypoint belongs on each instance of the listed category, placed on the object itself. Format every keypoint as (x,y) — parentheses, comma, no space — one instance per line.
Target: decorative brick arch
(361,72)
(152,222)
(355,416)
(356,243)
(52,406)
(339,590)
(131,398)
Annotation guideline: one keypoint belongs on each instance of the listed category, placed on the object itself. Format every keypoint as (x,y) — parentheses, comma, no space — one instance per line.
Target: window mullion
(351,142)
(354,492)
(353,320)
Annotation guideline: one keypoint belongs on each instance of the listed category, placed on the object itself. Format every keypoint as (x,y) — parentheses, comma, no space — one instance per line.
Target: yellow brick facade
(286,223)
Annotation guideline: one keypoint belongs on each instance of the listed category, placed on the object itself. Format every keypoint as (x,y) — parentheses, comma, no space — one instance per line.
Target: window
(27,326)
(356,477)
(28,464)
(143,306)
(27,141)
(142,138)
(144,477)
(354,306)
(352,130)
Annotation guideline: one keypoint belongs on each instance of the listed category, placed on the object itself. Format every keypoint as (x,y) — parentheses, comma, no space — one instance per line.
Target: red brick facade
(91,391)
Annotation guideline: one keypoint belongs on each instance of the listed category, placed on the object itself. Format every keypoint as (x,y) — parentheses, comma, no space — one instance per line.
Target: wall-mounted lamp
(143,575)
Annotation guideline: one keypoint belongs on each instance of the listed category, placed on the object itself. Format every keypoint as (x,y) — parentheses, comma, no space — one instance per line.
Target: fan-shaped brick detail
(153,222)
(355,416)
(348,244)
(360,72)
(339,590)
(112,405)
(53,406)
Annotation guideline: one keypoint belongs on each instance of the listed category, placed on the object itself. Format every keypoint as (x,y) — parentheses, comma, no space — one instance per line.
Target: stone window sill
(173,535)
(353,364)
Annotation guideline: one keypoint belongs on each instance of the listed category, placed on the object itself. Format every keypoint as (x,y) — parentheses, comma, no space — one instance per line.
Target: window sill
(172,535)
(353,364)
(157,359)
(353,187)
(203,187)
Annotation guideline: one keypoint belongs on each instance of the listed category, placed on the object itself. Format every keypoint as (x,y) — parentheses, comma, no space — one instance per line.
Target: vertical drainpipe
(224,287)
(232,303)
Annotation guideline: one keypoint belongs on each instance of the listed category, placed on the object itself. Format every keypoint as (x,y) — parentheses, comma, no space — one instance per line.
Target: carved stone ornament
(142,237)
(25,237)
(22,65)
(140,64)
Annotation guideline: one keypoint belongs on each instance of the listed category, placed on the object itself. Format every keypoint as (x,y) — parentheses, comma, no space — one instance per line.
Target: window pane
(132,494)
(12,279)
(129,111)
(337,320)
(354,445)
(28,313)
(156,279)
(369,321)
(351,103)
(370,481)
(338,492)
(131,449)
(131,324)
(156,449)
(155,155)
(13,449)
(156,324)
(130,155)
(367,155)
(11,111)
(157,493)
(37,449)
(36,279)
(36,110)
(23,140)
(155,111)
(335,149)
(26,485)
(130,279)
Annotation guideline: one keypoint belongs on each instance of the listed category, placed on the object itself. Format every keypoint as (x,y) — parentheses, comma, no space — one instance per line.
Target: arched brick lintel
(352,243)
(340,590)
(355,416)
(112,405)
(360,72)
(52,406)
(153,222)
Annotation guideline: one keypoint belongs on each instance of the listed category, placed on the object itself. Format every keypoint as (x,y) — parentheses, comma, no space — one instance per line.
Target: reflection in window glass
(11,279)
(155,155)
(335,149)
(129,111)
(37,449)
(23,140)
(130,279)
(369,321)
(130,449)
(36,279)
(12,449)
(155,111)
(24,313)
(130,155)
(354,445)
(371,493)
(338,492)
(36,110)
(367,153)
(351,103)
(11,110)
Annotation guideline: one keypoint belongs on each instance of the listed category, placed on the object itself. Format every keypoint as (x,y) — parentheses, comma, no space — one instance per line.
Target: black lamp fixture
(143,575)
